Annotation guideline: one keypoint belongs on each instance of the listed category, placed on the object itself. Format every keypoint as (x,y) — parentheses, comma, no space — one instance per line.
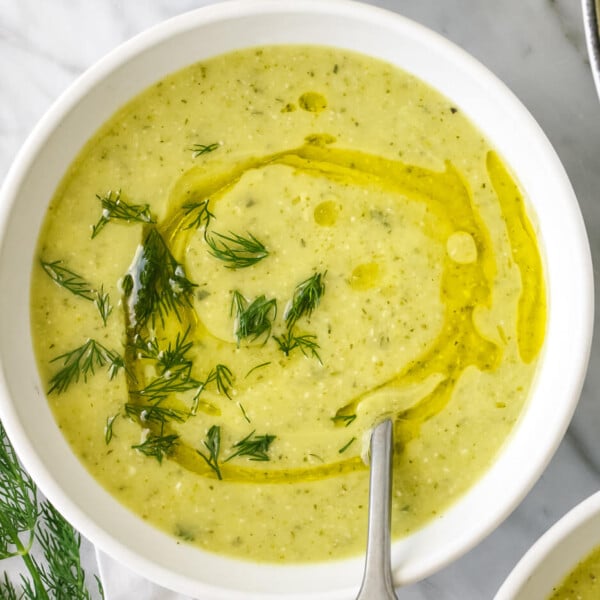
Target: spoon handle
(377,581)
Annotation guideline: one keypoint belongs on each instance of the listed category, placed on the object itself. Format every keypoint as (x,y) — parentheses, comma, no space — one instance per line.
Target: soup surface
(583,583)
(253,262)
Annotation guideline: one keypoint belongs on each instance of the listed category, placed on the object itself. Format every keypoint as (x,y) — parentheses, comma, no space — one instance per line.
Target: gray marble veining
(536,47)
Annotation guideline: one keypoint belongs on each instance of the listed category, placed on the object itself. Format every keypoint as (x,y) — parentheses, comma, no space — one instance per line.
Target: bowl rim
(233,9)
(568,527)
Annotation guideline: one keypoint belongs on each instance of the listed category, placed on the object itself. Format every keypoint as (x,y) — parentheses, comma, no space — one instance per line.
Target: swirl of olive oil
(464,286)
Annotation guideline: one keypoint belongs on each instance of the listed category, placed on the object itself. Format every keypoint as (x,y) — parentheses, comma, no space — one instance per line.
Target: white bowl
(207,32)
(555,554)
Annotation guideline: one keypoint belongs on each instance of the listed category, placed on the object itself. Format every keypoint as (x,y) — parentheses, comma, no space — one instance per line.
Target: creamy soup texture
(253,262)
(583,583)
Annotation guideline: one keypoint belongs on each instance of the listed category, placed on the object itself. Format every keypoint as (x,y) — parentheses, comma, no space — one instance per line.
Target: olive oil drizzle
(464,288)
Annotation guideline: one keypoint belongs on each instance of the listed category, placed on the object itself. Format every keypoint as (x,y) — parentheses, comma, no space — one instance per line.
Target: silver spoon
(377,581)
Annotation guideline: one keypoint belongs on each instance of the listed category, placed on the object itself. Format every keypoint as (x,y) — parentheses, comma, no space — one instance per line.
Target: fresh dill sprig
(305,343)
(244,414)
(307,296)
(156,283)
(174,355)
(25,520)
(223,377)
(265,364)
(253,319)
(176,380)
(346,446)
(108,428)
(213,445)
(346,420)
(68,279)
(63,576)
(82,362)
(201,214)
(115,208)
(102,302)
(155,413)
(18,503)
(7,589)
(255,448)
(200,149)
(76,284)
(158,446)
(236,251)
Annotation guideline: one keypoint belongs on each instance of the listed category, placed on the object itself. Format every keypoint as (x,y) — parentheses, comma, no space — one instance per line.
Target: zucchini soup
(583,583)
(256,260)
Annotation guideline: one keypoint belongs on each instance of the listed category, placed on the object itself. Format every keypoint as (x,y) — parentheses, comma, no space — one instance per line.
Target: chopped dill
(346,420)
(115,208)
(158,446)
(155,413)
(223,377)
(102,302)
(255,448)
(306,298)
(200,149)
(82,362)
(108,428)
(74,283)
(68,279)
(236,251)
(346,446)
(156,283)
(253,319)
(200,213)
(173,356)
(305,343)
(257,367)
(175,380)
(213,445)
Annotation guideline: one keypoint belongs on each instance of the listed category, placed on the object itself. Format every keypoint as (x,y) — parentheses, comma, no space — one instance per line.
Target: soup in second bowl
(583,583)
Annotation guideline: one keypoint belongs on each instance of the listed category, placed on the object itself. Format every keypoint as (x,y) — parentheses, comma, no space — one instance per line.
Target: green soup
(253,262)
(583,583)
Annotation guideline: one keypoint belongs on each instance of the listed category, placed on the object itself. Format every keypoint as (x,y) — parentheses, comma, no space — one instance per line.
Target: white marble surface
(537,47)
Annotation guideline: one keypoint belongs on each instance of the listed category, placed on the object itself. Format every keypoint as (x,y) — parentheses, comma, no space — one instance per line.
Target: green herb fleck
(257,367)
(346,446)
(244,412)
(343,419)
(200,149)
